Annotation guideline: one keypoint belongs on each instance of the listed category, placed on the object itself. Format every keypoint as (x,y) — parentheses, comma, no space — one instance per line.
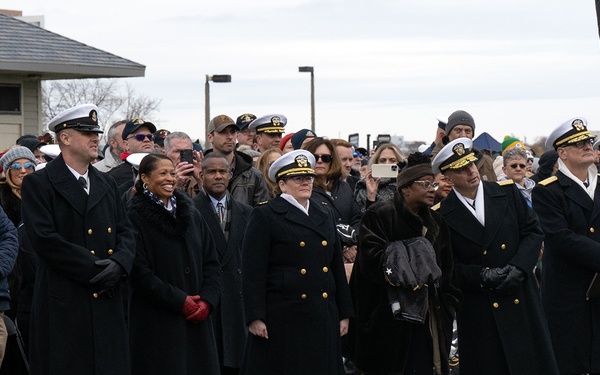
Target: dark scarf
(158,217)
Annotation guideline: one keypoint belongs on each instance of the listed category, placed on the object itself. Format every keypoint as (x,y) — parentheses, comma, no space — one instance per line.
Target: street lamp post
(311,70)
(215,78)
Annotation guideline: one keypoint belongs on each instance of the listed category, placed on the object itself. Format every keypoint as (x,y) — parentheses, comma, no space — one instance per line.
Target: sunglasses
(514,166)
(357,155)
(427,184)
(18,166)
(302,179)
(325,158)
(141,137)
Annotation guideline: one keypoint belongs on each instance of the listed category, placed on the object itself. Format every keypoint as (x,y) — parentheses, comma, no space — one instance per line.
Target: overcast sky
(519,67)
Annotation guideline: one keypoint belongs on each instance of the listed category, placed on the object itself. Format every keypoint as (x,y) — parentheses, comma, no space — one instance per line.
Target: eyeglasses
(141,137)
(582,144)
(427,184)
(18,166)
(514,166)
(326,158)
(302,179)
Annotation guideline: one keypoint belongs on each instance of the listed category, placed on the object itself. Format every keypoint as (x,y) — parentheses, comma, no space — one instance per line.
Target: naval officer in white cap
(268,131)
(293,279)
(568,205)
(496,239)
(85,247)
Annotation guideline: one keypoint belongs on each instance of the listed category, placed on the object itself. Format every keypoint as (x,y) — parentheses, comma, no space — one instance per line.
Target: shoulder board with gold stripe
(548,181)
(261,203)
(436,207)
(324,203)
(505,182)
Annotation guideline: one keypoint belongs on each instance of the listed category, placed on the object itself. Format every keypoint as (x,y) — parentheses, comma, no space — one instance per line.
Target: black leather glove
(109,276)
(491,278)
(347,234)
(512,282)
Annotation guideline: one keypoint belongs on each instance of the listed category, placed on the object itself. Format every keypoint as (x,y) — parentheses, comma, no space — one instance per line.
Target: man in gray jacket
(247,183)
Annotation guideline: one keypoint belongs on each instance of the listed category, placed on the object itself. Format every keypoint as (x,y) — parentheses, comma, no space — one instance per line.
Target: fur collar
(417,222)
(10,203)
(156,216)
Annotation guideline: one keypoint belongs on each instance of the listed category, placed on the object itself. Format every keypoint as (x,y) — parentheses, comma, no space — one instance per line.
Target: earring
(145,186)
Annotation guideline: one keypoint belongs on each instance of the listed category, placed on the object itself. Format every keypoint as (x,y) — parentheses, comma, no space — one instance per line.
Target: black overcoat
(176,257)
(74,329)
(497,330)
(293,278)
(341,202)
(228,316)
(571,222)
(382,342)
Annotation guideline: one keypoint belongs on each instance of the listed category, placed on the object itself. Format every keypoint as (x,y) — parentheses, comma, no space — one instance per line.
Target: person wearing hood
(247,184)
(514,164)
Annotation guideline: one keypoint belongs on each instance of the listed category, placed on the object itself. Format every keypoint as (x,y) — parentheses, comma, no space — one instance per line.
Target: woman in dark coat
(384,344)
(296,298)
(331,191)
(175,281)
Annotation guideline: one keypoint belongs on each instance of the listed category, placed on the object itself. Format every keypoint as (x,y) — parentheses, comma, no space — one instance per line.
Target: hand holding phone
(187,156)
(384,170)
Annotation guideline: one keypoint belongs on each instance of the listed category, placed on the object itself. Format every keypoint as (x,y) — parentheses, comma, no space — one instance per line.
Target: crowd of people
(274,252)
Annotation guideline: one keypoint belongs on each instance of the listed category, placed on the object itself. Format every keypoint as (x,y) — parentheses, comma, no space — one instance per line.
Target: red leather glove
(201,313)
(189,305)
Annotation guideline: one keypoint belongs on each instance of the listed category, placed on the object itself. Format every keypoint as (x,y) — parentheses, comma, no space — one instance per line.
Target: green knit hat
(510,142)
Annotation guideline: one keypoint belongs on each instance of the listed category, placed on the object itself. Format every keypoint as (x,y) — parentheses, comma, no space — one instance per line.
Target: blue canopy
(486,141)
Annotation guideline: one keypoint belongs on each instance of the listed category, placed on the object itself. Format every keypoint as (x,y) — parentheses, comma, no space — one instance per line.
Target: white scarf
(479,210)
(592,177)
(295,203)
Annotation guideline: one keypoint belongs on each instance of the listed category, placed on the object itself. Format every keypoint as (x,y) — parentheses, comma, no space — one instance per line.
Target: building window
(10,99)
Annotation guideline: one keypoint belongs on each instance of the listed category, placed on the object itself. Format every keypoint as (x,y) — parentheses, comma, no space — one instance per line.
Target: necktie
(82,182)
(220,212)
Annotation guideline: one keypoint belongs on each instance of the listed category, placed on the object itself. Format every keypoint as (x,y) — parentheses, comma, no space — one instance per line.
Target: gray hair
(112,131)
(173,135)
(512,154)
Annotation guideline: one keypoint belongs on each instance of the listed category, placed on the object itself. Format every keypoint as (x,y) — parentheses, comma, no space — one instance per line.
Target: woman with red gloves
(175,281)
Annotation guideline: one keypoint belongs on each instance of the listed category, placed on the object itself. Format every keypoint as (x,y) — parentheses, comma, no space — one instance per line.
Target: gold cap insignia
(302,161)
(578,124)
(459,149)
(94,115)
(275,121)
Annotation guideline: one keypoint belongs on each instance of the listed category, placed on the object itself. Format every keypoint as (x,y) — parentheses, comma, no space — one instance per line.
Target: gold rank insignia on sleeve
(548,181)
(505,182)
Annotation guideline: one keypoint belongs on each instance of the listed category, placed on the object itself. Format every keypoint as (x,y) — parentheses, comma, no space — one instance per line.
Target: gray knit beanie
(459,118)
(18,152)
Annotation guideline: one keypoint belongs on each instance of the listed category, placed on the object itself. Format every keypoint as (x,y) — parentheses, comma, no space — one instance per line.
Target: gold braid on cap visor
(296,171)
(458,164)
(576,138)
(273,129)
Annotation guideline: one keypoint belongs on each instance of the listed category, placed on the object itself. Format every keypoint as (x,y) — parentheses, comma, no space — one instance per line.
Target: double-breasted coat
(293,279)
(228,315)
(75,329)
(571,221)
(176,257)
(383,343)
(498,333)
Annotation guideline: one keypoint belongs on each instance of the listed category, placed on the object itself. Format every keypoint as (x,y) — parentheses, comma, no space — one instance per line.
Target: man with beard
(247,184)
